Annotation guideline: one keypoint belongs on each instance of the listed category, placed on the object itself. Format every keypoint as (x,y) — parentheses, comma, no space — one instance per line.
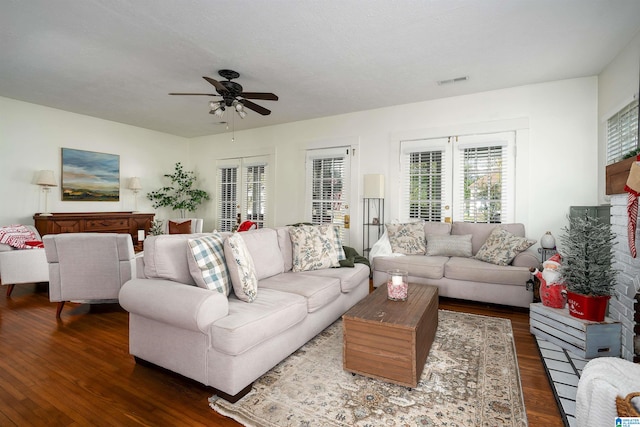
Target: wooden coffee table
(390,340)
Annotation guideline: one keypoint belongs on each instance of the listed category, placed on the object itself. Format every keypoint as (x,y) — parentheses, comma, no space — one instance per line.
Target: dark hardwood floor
(77,371)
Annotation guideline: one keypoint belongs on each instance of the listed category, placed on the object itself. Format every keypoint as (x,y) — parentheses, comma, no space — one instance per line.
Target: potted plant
(181,194)
(587,266)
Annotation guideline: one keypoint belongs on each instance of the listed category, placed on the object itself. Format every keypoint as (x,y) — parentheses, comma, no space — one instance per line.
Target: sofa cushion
(248,325)
(480,231)
(318,291)
(350,277)
(207,264)
(449,245)
(165,257)
(264,249)
(471,269)
(315,247)
(439,228)
(407,238)
(502,246)
(429,267)
(241,269)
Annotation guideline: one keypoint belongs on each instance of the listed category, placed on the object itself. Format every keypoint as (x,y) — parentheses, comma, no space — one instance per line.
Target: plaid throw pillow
(207,264)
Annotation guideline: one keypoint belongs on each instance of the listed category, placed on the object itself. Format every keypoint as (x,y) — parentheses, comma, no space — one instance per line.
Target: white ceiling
(119,59)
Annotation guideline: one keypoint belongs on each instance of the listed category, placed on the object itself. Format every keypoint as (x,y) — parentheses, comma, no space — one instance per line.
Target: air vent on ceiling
(450,81)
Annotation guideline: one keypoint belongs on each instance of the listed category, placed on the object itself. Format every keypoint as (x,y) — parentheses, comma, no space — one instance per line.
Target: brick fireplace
(626,307)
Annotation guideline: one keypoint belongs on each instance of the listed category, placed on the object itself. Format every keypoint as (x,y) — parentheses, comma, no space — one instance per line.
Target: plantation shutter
(425,166)
(228,199)
(328,183)
(255,194)
(622,132)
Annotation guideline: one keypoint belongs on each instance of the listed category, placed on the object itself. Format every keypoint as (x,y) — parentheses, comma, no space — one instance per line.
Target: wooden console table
(96,222)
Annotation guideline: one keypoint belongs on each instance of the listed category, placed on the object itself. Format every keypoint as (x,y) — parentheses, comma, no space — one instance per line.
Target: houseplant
(587,266)
(181,194)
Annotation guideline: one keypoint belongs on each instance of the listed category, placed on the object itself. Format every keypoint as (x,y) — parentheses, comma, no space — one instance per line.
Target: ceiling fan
(233,96)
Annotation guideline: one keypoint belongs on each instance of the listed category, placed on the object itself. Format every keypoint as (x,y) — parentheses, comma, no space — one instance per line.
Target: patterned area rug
(471,378)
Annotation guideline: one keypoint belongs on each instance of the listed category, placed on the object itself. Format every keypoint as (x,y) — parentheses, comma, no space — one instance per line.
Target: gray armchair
(88,266)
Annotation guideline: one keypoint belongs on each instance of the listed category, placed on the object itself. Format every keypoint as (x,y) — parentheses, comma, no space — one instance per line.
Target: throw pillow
(241,268)
(316,247)
(501,247)
(16,236)
(449,245)
(183,227)
(407,239)
(207,263)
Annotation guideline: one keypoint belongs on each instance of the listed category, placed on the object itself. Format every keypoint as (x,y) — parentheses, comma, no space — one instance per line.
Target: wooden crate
(390,340)
(581,337)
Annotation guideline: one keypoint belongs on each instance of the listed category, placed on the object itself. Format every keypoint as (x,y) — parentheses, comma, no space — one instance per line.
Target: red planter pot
(593,308)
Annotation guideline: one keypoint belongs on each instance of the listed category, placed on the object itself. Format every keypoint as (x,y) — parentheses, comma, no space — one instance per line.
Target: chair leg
(10,289)
(59,310)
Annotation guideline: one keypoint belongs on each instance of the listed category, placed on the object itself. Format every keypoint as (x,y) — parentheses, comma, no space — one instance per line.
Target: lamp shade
(134,184)
(46,179)
(373,186)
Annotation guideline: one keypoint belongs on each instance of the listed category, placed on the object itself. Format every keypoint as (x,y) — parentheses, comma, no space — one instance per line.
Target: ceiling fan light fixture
(242,113)
(213,105)
(219,111)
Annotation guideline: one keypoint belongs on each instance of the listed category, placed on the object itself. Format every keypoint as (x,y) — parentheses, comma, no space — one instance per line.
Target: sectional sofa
(227,339)
(472,261)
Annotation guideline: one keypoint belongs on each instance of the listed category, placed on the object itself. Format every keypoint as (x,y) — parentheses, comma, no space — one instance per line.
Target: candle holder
(397,285)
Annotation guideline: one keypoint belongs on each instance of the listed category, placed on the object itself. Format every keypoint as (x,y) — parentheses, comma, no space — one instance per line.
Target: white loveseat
(221,341)
(463,277)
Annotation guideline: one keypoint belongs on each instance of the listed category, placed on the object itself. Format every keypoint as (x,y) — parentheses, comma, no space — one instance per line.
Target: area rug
(471,378)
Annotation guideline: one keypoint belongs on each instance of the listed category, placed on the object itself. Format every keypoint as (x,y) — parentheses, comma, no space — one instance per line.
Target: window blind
(622,132)
(228,202)
(327,190)
(255,194)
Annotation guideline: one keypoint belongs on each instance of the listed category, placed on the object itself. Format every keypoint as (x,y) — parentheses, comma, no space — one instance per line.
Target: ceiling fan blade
(260,95)
(203,94)
(219,87)
(255,107)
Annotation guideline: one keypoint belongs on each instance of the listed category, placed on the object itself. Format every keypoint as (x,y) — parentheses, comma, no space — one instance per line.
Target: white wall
(617,85)
(557,149)
(31,137)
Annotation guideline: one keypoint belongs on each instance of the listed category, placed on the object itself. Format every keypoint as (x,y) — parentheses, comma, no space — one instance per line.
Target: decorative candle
(397,285)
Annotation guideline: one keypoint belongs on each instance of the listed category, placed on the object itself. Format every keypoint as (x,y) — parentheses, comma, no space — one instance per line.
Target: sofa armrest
(176,304)
(23,266)
(527,259)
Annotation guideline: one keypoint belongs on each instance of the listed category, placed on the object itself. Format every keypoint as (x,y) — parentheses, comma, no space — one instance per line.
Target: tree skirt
(471,378)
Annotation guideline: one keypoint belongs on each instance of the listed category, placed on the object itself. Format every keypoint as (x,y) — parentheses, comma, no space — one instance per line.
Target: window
(463,178)
(622,132)
(328,184)
(249,175)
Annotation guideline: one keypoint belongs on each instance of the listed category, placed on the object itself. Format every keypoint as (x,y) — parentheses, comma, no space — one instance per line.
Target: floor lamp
(135,186)
(46,180)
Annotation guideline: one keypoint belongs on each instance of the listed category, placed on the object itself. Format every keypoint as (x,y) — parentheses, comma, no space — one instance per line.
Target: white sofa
(221,341)
(19,266)
(463,277)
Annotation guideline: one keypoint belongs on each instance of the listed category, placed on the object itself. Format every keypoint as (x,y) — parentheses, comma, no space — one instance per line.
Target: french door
(328,182)
(243,191)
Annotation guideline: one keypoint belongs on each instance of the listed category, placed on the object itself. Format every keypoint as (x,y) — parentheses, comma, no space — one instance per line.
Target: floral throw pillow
(407,239)
(207,263)
(241,268)
(502,247)
(316,247)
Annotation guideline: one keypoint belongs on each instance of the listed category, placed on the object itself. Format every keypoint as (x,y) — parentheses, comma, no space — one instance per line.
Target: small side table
(545,254)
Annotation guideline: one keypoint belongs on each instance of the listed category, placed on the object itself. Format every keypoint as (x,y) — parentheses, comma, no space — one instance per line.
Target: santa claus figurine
(552,290)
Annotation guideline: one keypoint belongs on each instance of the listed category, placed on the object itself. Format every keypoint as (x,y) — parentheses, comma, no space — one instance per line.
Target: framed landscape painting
(90,176)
